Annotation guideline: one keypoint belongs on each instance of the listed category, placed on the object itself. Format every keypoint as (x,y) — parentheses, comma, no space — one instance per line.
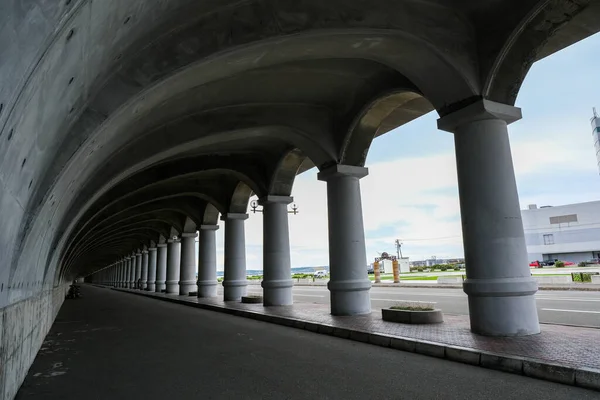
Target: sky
(411,191)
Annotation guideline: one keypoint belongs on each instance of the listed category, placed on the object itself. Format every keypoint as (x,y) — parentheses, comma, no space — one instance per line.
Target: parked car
(569,263)
(320,274)
(536,264)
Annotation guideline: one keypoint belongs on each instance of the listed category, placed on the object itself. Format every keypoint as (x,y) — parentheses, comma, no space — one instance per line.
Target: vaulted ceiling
(125,122)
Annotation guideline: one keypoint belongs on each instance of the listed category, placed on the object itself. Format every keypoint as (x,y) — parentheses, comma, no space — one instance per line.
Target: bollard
(396,271)
(377,272)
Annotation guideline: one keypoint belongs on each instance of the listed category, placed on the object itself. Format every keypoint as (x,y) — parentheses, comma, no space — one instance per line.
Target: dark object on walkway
(73,292)
(252,299)
(412,317)
(193,293)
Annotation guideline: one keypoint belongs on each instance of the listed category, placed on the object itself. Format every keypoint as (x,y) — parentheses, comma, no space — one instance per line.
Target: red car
(537,264)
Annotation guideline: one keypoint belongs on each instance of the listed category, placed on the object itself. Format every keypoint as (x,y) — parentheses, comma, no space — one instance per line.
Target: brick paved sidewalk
(572,353)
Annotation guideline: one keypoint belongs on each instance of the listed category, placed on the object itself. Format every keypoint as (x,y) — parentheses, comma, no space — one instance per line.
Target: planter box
(252,299)
(412,317)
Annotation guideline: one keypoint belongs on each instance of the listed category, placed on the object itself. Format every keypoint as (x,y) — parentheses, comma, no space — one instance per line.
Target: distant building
(567,233)
(596,135)
(434,261)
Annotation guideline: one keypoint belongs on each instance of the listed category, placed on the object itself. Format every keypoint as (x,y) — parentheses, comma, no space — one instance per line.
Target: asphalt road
(113,345)
(556,307)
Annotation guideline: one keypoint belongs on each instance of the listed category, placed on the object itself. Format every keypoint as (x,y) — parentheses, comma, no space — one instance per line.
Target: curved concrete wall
(92,94)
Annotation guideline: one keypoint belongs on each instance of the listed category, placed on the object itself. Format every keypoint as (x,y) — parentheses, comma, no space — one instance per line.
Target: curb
(447,286)
(587,378)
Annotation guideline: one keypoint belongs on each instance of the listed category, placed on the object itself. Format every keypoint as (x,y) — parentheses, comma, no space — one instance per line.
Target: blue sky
(552,150)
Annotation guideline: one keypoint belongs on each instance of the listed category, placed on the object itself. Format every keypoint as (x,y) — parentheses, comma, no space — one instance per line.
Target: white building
(568,233)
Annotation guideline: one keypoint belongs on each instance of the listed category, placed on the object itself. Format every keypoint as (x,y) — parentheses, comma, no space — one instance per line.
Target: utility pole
(398,248)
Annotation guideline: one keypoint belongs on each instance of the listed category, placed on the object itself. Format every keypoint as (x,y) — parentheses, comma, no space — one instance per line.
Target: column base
(131,285)
(172,287)
(144,285)
(277,292)
(502,307)
(151,287)
(350,297)
(234,290)
(207,288)
(185,287)
(160,286)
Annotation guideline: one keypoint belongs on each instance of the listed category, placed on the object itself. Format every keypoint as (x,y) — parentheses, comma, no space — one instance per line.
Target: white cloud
(414,199)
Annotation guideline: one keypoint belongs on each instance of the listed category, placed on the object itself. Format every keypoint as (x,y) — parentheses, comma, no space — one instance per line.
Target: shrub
(443,268)
(457,268)
(413,269)
(559,264)
(420,269)
(582,264)
(414,306)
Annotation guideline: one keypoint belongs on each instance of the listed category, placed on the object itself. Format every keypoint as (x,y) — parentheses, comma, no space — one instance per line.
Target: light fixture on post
(255,209)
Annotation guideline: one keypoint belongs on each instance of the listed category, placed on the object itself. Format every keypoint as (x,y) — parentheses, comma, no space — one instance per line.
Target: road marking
(575,311)
(304,295)
(389,300)
(566,299)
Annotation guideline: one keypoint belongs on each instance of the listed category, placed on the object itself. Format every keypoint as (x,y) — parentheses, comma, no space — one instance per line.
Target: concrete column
(119,274)
(138,269)
(187,268)
(499,283)
(173,261)
(207,261)
(131,264)
(277,282)
(144,269)
(349,284)
(161,267)
(151,284)
(234,281)
(123,273)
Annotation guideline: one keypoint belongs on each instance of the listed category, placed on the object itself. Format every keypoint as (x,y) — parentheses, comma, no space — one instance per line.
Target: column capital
(177,240)
(151,248)
(189,234)
(275,199)
(338,170)
(161,245)
(209,227)
(480,110)
(227,216)
(139,253)
(144,251)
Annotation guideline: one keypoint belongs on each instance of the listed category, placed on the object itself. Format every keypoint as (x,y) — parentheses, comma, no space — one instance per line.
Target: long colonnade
(500,288)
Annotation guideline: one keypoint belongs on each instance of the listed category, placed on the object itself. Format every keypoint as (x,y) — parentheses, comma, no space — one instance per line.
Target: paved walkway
(113,345)
(564,345)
